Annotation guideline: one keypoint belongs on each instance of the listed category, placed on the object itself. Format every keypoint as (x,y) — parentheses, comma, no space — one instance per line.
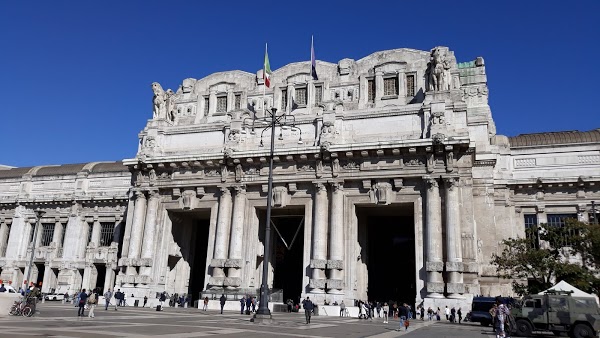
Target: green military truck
(558,312)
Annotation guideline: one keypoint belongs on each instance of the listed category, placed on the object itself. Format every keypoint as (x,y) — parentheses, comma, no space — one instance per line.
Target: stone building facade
(391,184)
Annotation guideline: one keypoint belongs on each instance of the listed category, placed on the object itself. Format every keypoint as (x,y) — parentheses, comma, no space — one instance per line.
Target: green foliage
(548,261)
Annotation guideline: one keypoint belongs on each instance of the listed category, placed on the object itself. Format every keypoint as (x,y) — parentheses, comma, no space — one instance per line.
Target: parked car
(54,296)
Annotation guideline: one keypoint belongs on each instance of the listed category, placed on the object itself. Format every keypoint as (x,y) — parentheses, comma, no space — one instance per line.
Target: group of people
(453,315)
(87,300)
(503,321)
(249,302)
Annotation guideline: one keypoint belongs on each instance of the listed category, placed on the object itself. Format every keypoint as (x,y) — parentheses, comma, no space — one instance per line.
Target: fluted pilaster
(433,229)
(318,263)
(454,265)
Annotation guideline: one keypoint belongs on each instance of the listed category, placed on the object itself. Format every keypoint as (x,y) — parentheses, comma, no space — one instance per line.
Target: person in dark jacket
(308,309)
(222,299)
(403,315)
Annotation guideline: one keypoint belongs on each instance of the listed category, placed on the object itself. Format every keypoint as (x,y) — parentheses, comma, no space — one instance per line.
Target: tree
(570,253)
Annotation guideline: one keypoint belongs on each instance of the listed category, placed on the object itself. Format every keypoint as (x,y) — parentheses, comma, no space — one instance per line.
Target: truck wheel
(582,331)
(523,328)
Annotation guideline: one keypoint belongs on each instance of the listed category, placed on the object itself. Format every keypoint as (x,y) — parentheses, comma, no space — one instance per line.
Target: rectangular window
(284,100)
(318,95)
(531,223)
(390,86)
(206,105)
(371,90)
(238,101)
(301,96)
(107,230)
(410,85)
(62,239)
(222,104)
(47,234)
(560,220)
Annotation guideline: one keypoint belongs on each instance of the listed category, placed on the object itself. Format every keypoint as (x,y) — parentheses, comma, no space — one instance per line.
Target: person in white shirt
(447,313)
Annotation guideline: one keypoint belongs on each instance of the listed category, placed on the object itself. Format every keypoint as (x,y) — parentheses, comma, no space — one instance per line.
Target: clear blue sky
(75,75)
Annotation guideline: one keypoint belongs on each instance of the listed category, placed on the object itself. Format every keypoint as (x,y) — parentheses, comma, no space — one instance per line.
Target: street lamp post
(38,214)
(263,314)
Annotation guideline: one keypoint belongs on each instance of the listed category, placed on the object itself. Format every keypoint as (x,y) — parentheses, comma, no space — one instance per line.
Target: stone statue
(170,104)
(158,101)
(438,72)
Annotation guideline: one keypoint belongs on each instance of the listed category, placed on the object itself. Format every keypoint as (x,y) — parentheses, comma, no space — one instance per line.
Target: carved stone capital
(454,266)
(216,281)
(139,195)
(232,281)
(431,182)
(233,263)
(335,264)
(434,266)
(455,288)
(217,263)
(224,191)
(451,182)
(337,186)
(318,263)
(435,287)
(319,187)
(317,283)
(471,267)
(240,189)
(335,284)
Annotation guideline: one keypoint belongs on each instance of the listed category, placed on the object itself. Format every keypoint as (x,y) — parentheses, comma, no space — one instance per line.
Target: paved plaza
(59,320)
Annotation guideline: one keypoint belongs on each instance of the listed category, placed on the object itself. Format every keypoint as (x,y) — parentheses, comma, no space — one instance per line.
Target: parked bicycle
(24,307)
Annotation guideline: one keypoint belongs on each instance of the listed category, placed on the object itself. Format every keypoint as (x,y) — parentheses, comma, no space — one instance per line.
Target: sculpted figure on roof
(158,101)
(438,72)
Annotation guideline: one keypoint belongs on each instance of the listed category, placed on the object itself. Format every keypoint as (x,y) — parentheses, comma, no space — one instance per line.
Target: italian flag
(267,70)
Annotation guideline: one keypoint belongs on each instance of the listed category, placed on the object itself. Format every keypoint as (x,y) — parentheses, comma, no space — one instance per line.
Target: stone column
(96,227)
(454,265)
(58,232)
(150,226)
(318,263)
(47,276)
(335,264)
(3,237)
(378,85)
(135,242)
(212,102)
(234,263)
(221,237)
(109,279)
(433,239)
(38,238)
(290,98)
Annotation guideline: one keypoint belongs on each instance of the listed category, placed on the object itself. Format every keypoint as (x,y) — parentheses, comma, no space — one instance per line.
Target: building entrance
(287,229)
(386,234)
(187,265)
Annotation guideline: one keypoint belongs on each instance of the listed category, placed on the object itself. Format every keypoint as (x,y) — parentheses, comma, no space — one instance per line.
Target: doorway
(187,263)
(287,230)
(41,269)
(101,277)
(387,236)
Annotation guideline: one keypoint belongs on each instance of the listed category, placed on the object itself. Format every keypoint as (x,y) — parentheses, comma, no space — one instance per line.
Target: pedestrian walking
(430,313)
(222,300)
(92,302)
(422,313)
(145,301)
(342,309)
(386,309)
(459,313)
(403,315)
(447,312)
(242,304)
(107,297)
(253,304)
(83,296)
(378,307)
(205,304)
(308,308)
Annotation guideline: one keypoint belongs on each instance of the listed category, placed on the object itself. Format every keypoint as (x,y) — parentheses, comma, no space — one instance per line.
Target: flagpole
(310,92)
(264,84)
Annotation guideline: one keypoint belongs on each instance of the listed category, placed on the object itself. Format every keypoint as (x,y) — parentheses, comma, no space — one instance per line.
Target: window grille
(284,100)
(531,223)
(318,95)
(390,86)
(238,101)
(301,96)
(206,105)
(371,90)
(410,85)
(107,230)
(47,234)
(222,104)
(560,220)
